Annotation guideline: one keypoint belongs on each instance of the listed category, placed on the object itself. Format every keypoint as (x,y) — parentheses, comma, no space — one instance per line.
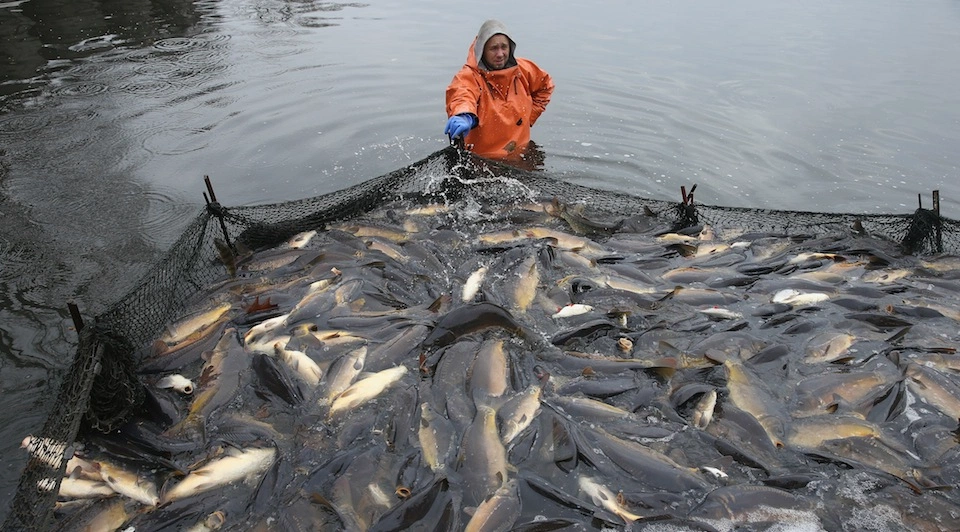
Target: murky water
(112,112)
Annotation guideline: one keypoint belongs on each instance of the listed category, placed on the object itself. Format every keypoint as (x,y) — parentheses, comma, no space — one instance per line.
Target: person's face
(496,52)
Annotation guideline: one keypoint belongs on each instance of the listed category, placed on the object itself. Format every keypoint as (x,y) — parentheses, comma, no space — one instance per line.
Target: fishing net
(101,388)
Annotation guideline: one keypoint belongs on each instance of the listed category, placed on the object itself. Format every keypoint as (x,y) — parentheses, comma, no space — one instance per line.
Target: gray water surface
(111,113)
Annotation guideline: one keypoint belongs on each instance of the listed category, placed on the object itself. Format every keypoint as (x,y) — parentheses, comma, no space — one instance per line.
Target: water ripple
(160,68)
(79,88)
(15,260)
(149,87)
(18,124)
(164,215)
(179,44)
(174,140)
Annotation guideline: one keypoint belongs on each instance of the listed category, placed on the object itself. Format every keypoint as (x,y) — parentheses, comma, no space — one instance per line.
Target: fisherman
(496,97)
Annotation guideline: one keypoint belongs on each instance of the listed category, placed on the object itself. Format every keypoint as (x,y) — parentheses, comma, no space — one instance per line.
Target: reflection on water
(39,35)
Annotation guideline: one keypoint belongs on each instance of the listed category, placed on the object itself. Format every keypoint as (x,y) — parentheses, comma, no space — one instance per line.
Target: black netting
(101,388)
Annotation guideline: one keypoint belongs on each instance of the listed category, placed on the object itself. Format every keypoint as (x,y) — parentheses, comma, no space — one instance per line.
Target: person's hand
(459,125)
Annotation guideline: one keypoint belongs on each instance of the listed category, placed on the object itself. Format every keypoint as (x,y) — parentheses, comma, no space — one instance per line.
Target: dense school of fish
(543,367)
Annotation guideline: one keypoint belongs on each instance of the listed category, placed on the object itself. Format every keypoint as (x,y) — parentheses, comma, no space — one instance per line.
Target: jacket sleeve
(541,88)
(463,93)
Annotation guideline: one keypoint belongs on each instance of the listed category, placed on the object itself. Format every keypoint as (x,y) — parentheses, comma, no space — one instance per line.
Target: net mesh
(101,388)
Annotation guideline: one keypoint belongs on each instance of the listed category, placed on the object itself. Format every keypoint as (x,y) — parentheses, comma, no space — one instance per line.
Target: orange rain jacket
(506,102)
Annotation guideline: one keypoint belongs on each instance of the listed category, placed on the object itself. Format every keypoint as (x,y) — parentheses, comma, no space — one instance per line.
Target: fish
(300,240)
(830,346)
(301,363)
(489,373)
(645,464)
(389,249)
(744,505)
(875,453)
(233,466)
(195,324)
(502,237)
(748,394)
(700,296)
(227,256)
(394,234)
(584,246)
(721,313)
(470,318)
(273,378)
(703,411)
(129,484)
(813,255)
(218,384)
(310,335)
(109,515)
(364,491)
(260,338)
(79,488)
(366,390)
(472,285)
(343,372)
(820,394)
(499,511)
(449,382)
(436,437)
(885,276)
(674,238)
(810,433)
(519,412)
(573,309)
(598,363)
(399,349)
(603,497)
(482,459)
(950,312)
(934,388)
(795,297)
(624,284)
(573,214)
(587,408)
(78,467)
(177,382)
(432,209)
(319,299)
(525,289)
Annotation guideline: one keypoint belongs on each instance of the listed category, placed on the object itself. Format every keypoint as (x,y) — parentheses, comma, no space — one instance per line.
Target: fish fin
(346,394)
(717,356)
(160,347)
(440,303)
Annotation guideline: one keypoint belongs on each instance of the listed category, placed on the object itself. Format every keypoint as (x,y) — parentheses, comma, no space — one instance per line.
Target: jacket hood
(489,29)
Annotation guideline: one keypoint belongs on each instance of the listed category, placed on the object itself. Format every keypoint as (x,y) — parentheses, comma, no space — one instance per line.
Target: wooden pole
(211,200)
(206,181)
(75,315)
(936,210)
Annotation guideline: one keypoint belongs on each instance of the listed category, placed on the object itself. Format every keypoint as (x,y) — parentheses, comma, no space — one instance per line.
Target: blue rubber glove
(459,125)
